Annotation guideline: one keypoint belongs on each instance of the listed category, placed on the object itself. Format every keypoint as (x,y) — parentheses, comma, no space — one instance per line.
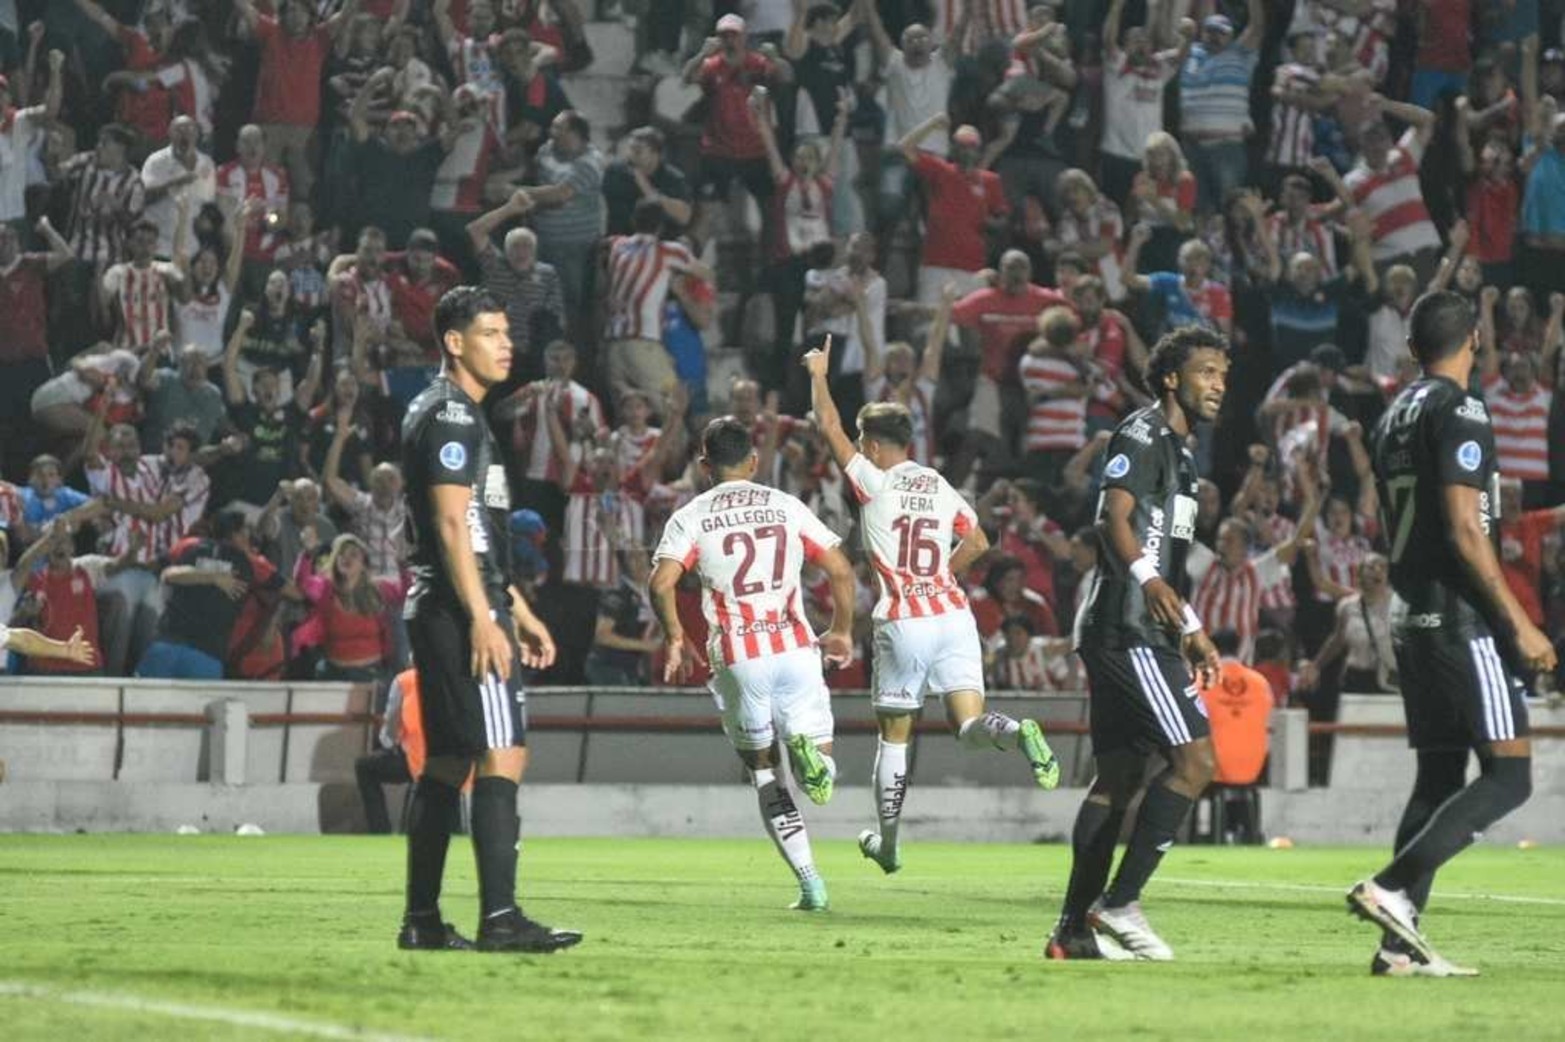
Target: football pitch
(167,937)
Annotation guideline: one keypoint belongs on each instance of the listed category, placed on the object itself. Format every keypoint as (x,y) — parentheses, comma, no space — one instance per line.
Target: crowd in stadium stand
(224,226)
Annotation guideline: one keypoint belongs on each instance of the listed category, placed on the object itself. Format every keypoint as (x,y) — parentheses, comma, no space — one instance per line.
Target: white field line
(215,1014)
(1305,888)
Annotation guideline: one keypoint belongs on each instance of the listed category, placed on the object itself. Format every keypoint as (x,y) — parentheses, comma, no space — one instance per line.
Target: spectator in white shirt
(174,173)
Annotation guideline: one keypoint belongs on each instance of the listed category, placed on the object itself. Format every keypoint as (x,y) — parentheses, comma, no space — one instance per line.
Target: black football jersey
(1147,459)
(1433,434)
(446,441)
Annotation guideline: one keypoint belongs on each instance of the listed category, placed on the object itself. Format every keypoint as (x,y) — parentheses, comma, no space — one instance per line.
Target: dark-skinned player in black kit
(471,633)
(1140,642)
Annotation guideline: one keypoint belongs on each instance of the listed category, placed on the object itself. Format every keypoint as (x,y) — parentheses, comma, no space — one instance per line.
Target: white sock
(784,823)
(990,728)
(890,790)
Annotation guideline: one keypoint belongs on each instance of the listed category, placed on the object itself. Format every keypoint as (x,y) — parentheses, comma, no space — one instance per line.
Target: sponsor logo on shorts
(1469,456)
(1117,467)
(453,455)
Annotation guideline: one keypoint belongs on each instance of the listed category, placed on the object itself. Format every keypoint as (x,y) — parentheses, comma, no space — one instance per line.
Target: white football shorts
(761,696)
(931,655)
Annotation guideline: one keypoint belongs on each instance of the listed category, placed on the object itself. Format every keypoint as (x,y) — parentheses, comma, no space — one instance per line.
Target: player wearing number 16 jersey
(926,642)
(1463,643)
(747,544)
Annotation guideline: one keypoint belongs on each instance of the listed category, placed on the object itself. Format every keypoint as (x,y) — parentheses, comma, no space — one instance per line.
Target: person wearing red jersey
(249,176)
(65,592)
(141,289)
(727,71)
(294,49)
(24,316)
(748,544)
(919,535)
(145,110)
(966,205)
(1519,410)
(1004,315)
(1525,538)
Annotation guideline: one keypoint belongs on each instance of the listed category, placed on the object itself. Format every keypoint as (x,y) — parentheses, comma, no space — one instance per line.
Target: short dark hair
(1024,621)
(819,13)
(229,523)
(652,137)
(890,422)
(1441,322)
(578,124)
(998,571)
(1070,259)
(1226,641)
(183,429)
(647,217)
(1174,349)
(144,225)
(1030,489)
(726,443)
(459,306)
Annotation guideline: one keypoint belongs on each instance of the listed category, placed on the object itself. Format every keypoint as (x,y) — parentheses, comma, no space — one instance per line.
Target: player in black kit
(471,634)
(1463,643)
(1139,641)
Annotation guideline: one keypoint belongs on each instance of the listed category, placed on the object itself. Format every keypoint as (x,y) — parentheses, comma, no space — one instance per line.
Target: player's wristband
(1192,622)
(1143,570)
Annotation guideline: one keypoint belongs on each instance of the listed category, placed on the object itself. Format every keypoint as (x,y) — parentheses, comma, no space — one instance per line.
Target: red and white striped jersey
(1293,128)
(1036,668)
(141,485)
(1521,431)
(640,268)
(633,448)
(989,19)
(530,432)
(1231,600)
(141,300)
(911,519)
(1279,529)
(1369,33)
(1101,221)
(801,215)
(1308,236)
(267,183)
(920,401)
(194,488)
(1340,557)
(594,522)
(459,181)
(1052,423)
(747,544)
(1394,201)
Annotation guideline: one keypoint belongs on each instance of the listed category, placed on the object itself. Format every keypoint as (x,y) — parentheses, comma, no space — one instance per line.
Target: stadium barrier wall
(134,755)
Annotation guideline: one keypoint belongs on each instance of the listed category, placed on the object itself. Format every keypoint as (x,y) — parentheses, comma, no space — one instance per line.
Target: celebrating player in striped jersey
(747,544)
(926,641)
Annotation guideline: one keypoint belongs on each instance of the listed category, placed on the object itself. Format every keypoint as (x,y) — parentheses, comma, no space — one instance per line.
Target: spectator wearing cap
(568,208)
(1543,207)
(966,204)
(727,71)
(21,133)
(644,173)
(294,49)
(1214,103)
(178,174)
(396,170)
(528,536)
(1384,185)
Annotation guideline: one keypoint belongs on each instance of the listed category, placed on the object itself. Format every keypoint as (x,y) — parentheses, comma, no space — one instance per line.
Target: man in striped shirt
(1519,410)
(640,268)
(1057,392)
(529,288)
(106,197)
(1296,228)
(1214,103)
(569,219)
(1227,587)
(532,444)
(1384,184)
(140,290)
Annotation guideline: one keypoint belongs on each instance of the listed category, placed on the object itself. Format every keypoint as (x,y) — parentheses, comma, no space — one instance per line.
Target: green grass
(690,939)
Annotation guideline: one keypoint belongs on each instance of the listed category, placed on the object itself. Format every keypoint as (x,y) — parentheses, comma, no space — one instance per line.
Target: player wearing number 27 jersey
(747,544)
(926,641)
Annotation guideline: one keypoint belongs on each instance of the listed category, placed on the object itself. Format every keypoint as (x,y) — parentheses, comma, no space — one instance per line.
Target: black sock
(1162,812)
(1505,784)
(432,815)
(495,831)
(1092,855)
(1441,775)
